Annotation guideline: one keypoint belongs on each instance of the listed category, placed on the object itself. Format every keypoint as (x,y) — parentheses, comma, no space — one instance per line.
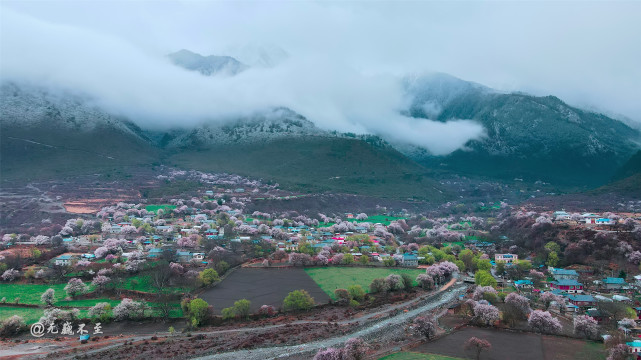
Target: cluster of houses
(166,237)
(568,284)
(585,218)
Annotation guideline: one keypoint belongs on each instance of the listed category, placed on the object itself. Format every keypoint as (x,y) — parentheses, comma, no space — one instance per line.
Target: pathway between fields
(446,293)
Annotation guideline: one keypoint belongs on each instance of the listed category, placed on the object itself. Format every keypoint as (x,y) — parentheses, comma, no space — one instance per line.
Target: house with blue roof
(184,256)
(611,283)
(635,346)
(582,300)
(409,260)
(523,284)
(561,274)
(154,253)
(360,229)
(63,260)
(506,258)
(568,286)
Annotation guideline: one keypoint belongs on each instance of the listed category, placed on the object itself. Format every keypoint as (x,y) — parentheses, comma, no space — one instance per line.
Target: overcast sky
(343,60)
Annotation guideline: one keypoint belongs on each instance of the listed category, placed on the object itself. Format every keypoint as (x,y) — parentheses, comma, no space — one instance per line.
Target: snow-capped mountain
(207,65)
(262,127)
(527,136)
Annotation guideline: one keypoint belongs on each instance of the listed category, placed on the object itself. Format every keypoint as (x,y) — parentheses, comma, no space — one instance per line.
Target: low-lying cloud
(343,63)
(156,94)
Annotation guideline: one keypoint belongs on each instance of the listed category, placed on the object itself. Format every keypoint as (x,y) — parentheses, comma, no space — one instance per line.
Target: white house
(506,258)
(63,260)
(561,215)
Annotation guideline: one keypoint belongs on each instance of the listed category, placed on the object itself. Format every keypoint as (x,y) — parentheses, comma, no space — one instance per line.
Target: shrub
(12,326)
(101,312)
(477,345)
(425,281)
(267,310)
(585,326)
(356,292)
(424,326)
(208,276)
(394,282)
(298,300)
(354,303)
(484,278)
(10,275)
(53,315)
(75,286)
(407,281)
(48,297)
(342,295)
(129,309)
(198,311)
(379,285)
(241,308)
(543,322)
(355,349)
(228,313)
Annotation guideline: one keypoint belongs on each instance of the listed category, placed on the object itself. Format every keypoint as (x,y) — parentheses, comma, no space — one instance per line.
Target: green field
(30,315)
(31,293)
(154,208)
(332,278)
(417,356)
(145,284)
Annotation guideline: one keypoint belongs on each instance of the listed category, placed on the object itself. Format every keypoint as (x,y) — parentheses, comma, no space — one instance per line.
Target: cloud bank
(344,60)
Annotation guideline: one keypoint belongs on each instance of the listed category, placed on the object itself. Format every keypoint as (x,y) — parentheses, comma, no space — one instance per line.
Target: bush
(221,267)
(267,310)
(394,282)
(129,309)
(298,300)
(484,278)
(228,313)
(425,281)
(54,315)
(101,312)
(356,292)
(75,286)
(407,281)
(241,308)
(354,303)
(342,295)
(378,285)
(48,297)
(208,276)
(198,311)
(12,326)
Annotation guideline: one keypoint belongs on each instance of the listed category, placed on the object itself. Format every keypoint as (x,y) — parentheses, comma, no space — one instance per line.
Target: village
(202,263)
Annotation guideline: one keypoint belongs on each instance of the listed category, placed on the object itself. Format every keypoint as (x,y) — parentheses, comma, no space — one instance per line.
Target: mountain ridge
(536,138)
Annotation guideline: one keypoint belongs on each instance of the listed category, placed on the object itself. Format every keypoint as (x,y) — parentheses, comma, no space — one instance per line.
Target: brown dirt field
(262,287)
(507,345)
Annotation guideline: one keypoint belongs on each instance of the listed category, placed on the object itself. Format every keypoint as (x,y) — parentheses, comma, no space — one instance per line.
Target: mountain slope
(263,127)
(207,65)
(320,163)
(44,136)
(527,136)
(627,180)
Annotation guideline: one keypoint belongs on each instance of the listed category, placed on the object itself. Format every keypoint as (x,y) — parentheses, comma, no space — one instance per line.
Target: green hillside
(627,180)
(46,152)
(316,164)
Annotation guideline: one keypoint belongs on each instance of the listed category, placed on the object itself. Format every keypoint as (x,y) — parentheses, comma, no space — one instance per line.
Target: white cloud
(344,58)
